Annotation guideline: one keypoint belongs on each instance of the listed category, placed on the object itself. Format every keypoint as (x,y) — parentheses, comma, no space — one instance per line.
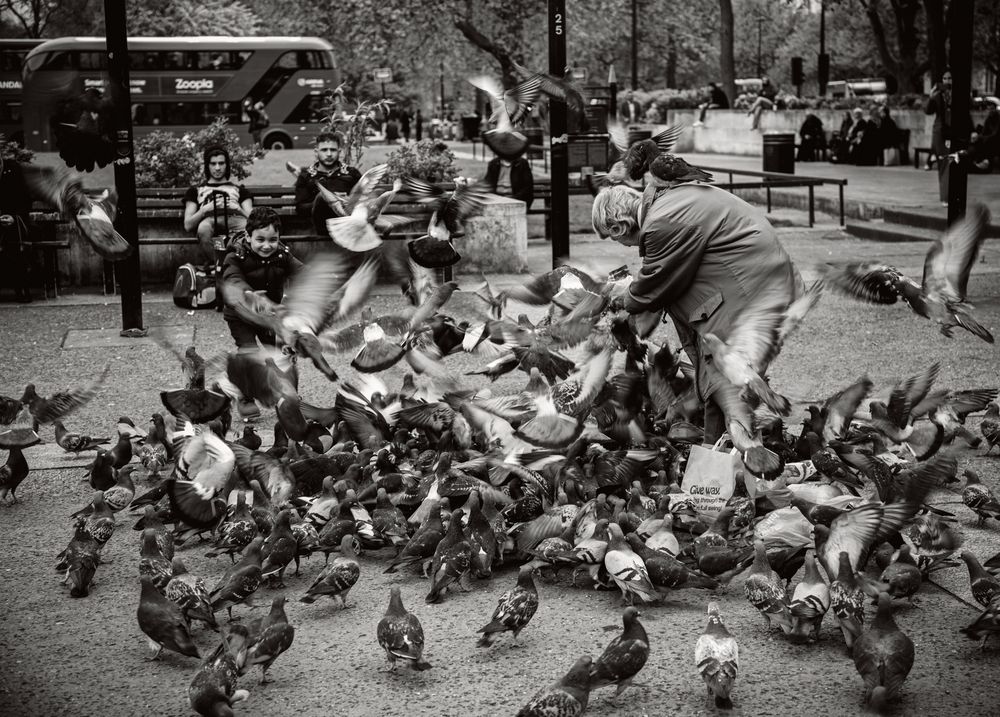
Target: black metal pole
(960,46)
(612,93)
(126,223)
(558,142)
(823,68)
(635,44)
(442,90)
(760,29)
(383,90)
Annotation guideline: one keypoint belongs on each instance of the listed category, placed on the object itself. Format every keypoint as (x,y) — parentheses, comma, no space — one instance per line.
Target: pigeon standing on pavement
(566,698)
(275,636)
(514,610)
(623,657)
(718,658)
(12,474)
(401,635)
(883,656)
(163,622)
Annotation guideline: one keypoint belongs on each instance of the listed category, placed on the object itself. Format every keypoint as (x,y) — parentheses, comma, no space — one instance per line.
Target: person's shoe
(698,124)
(248,409)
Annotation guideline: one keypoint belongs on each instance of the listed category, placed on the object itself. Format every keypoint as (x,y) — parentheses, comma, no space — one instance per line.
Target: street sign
(382,74)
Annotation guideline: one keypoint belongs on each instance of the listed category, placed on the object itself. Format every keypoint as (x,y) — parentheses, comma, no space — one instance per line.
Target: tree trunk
(907,67)
(478,39)
(671,59)
(937,37)
(727,61)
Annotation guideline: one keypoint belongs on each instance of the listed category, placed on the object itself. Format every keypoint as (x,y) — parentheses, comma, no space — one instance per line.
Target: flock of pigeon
(579,470)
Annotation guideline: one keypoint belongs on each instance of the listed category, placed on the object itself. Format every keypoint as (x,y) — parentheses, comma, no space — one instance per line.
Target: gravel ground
(85,657)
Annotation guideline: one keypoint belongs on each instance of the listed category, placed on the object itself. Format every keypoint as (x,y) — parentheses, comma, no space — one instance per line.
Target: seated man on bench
(218,206)
(327,171)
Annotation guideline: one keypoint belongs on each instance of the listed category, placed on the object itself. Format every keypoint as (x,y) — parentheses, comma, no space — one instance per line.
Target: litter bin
(779,152)
(470,127)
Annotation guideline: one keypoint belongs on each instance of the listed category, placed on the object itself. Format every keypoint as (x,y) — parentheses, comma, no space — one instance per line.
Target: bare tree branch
(465,26)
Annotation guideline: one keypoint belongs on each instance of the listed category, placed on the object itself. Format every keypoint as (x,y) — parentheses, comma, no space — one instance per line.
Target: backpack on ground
(194,287)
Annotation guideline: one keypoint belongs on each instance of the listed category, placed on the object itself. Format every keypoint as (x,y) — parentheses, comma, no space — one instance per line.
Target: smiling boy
(257,261)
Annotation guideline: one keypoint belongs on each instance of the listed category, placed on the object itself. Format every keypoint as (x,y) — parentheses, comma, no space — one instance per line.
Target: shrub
(353,126)
(10,150)
(162,159)
(427,159)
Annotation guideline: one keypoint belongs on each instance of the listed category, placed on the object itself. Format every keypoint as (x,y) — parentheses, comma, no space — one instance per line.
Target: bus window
(92,61)
(320,60)
(309,110)
(174,61)
(55,60)
(239,58)
(289,60)
(150,60)
(212,60)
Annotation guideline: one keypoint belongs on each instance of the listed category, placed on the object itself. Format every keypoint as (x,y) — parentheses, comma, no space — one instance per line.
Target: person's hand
(6,220)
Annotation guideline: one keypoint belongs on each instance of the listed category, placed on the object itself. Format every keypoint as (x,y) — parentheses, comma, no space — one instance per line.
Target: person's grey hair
(616,211)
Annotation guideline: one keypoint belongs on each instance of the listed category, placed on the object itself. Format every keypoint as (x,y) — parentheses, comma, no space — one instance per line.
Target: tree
(163,18)
(727,62)
(986,45)
(32,16)
(902,61)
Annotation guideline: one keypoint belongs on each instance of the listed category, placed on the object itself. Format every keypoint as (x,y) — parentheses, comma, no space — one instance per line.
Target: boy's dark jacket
(251,272)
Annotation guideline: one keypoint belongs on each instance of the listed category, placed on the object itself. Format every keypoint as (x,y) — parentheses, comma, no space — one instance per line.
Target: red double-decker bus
(182,84)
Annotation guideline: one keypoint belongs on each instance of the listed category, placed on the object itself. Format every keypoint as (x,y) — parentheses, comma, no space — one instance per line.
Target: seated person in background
(15,204)
(328,171)
(984,147)
(766,100)
(653,114)
(716,100)
(257,261)
(812,139)
(890,137)
(511,178)
(218,206)
(863,139)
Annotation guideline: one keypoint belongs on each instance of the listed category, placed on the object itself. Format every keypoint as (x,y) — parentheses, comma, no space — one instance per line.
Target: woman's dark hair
(261,217)
(215,151)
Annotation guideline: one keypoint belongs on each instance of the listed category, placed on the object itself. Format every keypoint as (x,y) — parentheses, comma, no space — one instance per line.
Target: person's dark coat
(249,271)
(812,138)
(717,97)
(709,259)
(522,183)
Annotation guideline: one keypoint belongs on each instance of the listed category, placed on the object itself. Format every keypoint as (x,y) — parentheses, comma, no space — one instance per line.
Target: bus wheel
(278,141)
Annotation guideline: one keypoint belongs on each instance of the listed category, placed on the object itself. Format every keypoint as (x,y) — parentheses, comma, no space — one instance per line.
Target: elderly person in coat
(714,264)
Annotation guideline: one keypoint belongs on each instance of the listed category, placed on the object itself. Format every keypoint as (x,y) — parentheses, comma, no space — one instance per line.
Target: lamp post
(760,33)
(635,44)
(441,65)
(126,222)
(823,71)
